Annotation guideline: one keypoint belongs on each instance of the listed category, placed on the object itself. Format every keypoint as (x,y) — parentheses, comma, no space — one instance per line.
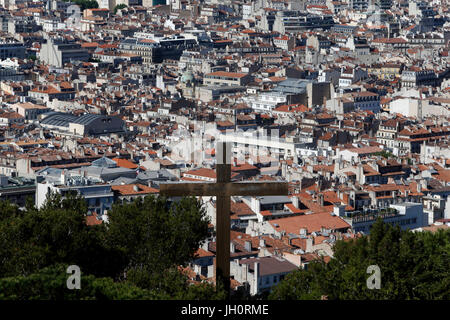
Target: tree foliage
(135,255)
(57,233)
(50,284)
(86,4)
(384,154)
(119,6)
(155,237)
(414,265)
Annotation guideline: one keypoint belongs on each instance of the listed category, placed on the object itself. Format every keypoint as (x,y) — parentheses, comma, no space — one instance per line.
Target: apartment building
(57,53)
(29,111)
(407,215)
(12,50)
(261,273)
(226,78)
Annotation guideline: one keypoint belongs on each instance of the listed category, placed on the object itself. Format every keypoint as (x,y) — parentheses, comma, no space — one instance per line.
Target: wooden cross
(223,189)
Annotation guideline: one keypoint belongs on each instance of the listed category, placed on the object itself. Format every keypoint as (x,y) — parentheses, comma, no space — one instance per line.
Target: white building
(415,77)
(409,107)
(99,198)
(247,11)
(351,75)
(354,154)
(415,107)
(254,142)
(407,215)
(265,102)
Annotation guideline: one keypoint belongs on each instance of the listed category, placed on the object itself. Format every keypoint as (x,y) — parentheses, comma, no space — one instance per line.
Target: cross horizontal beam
(224,189)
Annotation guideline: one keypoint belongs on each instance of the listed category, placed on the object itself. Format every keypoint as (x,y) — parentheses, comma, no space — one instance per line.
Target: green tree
(8,210)
(413,265)
(300,285)
(384,154)
(155,236)
(136,255)
(56,233)
(119,6)
(85,4)
(50,284)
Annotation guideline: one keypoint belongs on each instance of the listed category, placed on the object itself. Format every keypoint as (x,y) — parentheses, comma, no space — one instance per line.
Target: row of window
(401,222)
(276,278)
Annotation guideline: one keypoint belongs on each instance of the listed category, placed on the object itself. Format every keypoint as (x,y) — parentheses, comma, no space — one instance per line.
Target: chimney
(244,272)
(248,245)
(294,200)
(205,246)
(424,184)
(309,244)
(255,205)
(232,247)
(262,243)
(339,210)
(256,282)
(359,173)
(303,231)
(64,177)
(320,195)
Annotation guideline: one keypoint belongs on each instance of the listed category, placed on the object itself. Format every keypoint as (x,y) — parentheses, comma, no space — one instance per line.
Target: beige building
(29,111)
(226,78)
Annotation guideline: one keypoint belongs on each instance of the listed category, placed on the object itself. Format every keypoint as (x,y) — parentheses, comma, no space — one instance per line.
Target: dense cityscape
(346,103)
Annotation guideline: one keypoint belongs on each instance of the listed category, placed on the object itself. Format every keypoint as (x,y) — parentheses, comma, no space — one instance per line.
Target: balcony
(370,215)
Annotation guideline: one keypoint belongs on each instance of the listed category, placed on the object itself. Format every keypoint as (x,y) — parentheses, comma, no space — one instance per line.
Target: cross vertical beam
(223,174)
